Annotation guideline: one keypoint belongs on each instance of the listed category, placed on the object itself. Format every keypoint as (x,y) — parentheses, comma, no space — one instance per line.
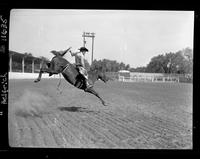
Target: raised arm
(66,51)
(73,53)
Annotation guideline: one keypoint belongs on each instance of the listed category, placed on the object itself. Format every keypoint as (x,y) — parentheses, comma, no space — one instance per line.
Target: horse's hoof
(37,80)
(105,104)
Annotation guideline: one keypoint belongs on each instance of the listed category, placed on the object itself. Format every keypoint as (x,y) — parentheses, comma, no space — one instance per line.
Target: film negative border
(4,57)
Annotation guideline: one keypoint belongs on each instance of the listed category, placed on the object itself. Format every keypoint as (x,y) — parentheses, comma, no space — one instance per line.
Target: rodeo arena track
(139,115)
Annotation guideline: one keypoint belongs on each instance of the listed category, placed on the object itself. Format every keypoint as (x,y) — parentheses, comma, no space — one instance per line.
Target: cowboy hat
(83,49)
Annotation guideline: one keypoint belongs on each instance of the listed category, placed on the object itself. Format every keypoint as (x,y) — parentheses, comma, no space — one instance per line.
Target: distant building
(23,62)
(124,73)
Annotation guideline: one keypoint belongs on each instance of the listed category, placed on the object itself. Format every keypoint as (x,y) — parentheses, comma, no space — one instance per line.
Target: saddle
(81,70)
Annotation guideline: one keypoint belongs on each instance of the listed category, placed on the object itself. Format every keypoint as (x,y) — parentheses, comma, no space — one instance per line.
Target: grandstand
(25,66)
(19,62)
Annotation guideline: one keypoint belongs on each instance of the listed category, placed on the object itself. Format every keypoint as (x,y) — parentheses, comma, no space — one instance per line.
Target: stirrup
(88,85)
(87,88)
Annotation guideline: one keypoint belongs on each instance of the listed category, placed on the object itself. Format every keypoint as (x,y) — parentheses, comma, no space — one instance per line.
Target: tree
(185,64)
(187,53)
(109,65)
(28,54)
(114,67)
(127,67)
(122,66)
(179,62)
(188,56)
(157,65)
(44,58)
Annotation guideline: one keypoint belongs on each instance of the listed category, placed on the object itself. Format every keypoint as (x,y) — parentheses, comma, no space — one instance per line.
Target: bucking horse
(72,75)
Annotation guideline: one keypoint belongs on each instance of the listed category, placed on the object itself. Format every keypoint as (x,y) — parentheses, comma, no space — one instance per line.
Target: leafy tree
(157,65)
(114,67)
(122,66)
(28,54)
(127,67)
(179,62)
(109,65)
(44,58)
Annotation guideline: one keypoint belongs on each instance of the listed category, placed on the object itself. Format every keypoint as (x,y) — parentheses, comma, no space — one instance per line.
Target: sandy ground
(139,115)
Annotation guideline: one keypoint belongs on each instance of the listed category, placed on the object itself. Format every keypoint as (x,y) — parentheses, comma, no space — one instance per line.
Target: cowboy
(52,65)
(80,64)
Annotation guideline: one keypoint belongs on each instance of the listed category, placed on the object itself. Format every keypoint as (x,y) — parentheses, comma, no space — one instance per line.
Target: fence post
(40,64)
(22,64)
(32,65)
(10,63)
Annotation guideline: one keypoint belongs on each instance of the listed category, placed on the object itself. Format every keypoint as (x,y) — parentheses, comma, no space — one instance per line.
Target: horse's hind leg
(92,91)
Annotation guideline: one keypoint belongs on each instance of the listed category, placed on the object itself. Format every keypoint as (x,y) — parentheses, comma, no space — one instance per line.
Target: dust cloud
(32,104)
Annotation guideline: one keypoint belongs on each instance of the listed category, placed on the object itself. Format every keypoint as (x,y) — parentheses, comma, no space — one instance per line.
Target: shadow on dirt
(77,109)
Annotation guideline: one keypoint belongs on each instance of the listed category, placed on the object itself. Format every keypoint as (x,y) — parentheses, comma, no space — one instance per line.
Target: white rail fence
(148,79)
(139,78)
(20,75)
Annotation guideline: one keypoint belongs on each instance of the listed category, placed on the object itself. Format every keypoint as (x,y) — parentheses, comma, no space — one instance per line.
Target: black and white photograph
(100,79)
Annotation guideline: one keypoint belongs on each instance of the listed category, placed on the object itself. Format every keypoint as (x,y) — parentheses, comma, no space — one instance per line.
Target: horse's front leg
(39,77)
(43,70)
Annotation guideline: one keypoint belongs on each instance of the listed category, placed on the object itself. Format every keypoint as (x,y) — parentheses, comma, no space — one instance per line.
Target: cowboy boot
(88,85)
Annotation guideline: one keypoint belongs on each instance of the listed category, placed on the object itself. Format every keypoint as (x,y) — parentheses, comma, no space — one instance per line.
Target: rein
(67,65)
(58,85)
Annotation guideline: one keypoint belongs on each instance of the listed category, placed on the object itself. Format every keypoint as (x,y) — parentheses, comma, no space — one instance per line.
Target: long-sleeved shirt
(79,58)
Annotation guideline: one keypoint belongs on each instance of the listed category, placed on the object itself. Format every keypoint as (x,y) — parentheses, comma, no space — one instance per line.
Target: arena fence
(144,78)
(19,75)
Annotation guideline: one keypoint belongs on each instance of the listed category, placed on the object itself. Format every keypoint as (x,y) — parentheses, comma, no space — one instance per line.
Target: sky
(129,36)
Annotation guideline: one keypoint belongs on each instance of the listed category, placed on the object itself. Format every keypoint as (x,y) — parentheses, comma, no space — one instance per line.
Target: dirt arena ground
(139,115)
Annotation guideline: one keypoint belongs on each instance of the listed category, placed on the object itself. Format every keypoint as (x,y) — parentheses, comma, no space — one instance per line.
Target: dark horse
(72,75)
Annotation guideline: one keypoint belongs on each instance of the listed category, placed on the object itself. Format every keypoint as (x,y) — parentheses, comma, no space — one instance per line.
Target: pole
(40,64)
(92,48)
(10,63)
(33,65)
(23,64)
(83,39)
(90,35)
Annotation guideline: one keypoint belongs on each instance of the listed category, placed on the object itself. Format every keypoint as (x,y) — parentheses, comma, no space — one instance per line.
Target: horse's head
(102,76)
